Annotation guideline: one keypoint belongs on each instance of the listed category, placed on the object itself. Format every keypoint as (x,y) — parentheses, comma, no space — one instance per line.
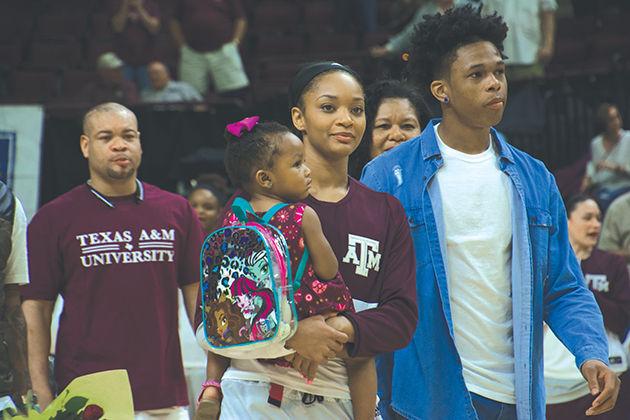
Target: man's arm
(548,30)
(240,28)
(150,22)
(38,315)
(572,314)
(16,339)
(119,19)
(190,292)
(177,33)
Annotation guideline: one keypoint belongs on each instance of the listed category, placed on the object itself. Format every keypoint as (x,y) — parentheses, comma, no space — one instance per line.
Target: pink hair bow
(236,129)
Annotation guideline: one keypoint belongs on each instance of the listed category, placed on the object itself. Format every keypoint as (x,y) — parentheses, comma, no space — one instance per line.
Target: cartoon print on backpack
(226,321)
(235,277)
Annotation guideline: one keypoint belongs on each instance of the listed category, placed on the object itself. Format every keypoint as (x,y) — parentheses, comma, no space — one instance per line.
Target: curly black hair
(252,151)
(375,94)
(435,41)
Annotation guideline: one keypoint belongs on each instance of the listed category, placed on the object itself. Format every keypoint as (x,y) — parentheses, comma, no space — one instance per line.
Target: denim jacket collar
(429,146)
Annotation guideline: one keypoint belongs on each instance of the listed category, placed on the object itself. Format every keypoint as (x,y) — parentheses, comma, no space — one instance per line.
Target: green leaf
(74,404)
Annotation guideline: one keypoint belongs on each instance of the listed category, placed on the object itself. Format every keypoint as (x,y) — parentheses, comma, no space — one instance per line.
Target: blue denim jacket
(424,380)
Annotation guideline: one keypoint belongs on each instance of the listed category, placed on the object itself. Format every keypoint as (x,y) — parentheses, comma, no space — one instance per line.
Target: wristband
(210,383)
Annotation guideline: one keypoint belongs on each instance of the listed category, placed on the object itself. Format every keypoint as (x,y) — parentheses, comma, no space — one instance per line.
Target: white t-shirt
(476,200)
(563,380)
(16,271)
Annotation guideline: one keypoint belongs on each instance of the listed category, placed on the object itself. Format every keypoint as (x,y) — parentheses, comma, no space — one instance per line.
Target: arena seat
(32,86)
(277,45)
(60,27)
(74,81)
(321,42)
(275,16)
(46,55)
(100,27)
(319,14)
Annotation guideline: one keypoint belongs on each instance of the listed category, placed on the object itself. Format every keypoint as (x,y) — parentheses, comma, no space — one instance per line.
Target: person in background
(135,24)
(615,236)
(208,34)
(606,275)
(401,42)
(608,172)
(208,202)
(14,377)
(394,112)
(529,44)
(163,89)
(111,84)
(118,250)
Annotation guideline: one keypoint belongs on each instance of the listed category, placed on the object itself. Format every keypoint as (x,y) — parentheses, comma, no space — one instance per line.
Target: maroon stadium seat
(319,14)
(74,81)
(33,87)
(279,45)
(275,16)
(323,42)
(100,27)
(54,55)
(60,27)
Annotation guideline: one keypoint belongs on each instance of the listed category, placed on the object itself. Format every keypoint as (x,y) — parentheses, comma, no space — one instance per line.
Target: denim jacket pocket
(418,230)
(540,228)
(414,219)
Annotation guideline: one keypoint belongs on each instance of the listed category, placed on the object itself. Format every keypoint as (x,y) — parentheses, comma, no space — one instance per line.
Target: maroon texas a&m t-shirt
(118,263)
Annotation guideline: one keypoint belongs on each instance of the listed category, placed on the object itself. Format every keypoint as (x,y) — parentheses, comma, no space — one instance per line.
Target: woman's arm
(321,253)
(615,305)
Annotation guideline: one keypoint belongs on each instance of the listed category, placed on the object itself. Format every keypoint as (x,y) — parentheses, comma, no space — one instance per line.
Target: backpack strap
(300,270)
(241,207)
(272,211)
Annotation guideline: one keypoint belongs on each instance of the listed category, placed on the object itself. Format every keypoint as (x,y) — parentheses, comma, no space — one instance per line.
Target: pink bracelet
(211,383)
(207,384)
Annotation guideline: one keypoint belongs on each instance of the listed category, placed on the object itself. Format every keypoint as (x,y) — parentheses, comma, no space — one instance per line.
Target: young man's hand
(603,383)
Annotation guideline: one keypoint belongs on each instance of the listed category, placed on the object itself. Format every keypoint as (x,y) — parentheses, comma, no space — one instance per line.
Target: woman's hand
(316,341)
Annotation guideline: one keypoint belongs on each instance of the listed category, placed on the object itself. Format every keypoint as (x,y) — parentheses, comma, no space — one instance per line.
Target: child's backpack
(247,287)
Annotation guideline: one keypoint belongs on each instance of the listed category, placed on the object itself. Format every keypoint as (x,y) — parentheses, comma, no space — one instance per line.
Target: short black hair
(436,40)
(252,151)
(572,202)
(375,94)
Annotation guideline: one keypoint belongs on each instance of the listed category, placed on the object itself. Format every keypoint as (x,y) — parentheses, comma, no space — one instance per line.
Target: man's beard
(122,174)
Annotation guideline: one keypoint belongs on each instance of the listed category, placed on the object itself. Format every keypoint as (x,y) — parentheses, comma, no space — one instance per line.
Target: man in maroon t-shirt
(117,250)
(208,34)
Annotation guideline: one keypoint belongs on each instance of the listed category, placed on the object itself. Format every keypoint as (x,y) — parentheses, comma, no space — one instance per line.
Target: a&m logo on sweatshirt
(120,247)
(363,252)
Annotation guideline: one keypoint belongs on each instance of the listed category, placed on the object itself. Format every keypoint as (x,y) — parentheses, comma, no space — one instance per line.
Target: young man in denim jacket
(493,258)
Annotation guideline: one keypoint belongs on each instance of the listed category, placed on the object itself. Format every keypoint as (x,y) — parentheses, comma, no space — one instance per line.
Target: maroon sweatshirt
(368,232)
(606,275)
